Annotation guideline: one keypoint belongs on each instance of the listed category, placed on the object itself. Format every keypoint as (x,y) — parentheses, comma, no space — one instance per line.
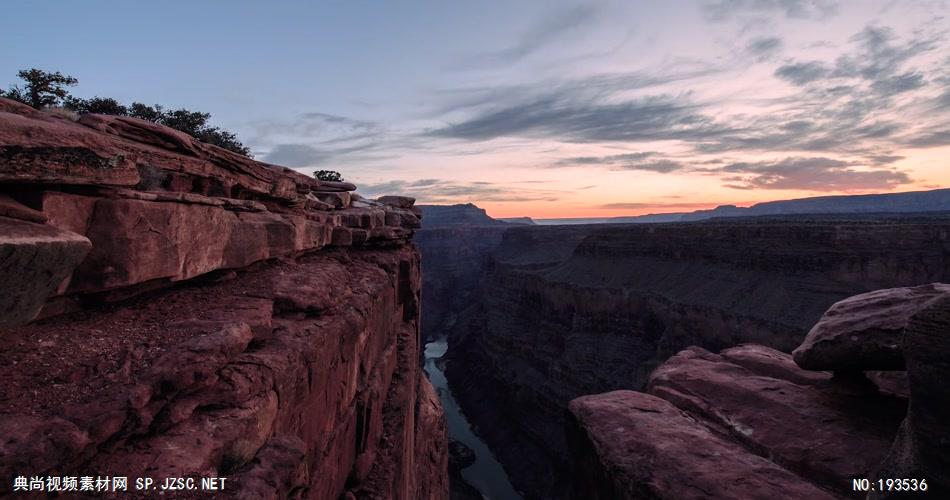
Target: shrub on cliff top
(45,90)
(328,175)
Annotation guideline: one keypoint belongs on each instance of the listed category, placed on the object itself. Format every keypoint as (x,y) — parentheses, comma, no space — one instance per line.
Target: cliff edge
(170,309)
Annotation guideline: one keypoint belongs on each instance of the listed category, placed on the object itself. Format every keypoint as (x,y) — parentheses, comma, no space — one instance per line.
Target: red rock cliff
(171,309)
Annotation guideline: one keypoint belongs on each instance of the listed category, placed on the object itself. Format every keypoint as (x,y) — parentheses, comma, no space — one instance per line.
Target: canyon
(554,313)
(172,309)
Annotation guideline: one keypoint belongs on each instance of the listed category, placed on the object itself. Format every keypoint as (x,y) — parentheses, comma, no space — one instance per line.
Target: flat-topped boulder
(397,201)
(865,332)
(631,445)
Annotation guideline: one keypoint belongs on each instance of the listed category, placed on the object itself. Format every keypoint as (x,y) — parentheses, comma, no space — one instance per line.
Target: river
(486,474)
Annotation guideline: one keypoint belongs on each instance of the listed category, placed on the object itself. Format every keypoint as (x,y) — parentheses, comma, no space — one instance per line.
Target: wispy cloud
(314,139)
(764,48)
(654,206)
(446,191)
(646,161)
(812,174)
(547,31)
(721,10)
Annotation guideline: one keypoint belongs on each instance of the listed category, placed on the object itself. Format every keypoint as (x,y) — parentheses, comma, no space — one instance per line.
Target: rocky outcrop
(866,332)
(202,314)
(567,311)
(922,447)
(824,431)
(630,445)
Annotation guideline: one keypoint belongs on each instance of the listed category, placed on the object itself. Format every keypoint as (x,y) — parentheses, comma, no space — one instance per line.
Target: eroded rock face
(160,207)
(866,332)
(34,260)
(631,445)
(825,430)
(922,449)
(765,405)
(188,383)
(278,343)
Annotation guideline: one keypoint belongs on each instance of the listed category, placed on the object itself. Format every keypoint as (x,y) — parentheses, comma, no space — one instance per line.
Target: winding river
(486,474)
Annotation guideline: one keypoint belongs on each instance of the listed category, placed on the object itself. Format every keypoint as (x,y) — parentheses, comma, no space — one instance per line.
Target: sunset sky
(537,108)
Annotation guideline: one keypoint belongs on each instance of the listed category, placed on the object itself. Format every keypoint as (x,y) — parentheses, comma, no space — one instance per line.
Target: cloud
(628,161)
(722,10)
(313,139)
(648,205)
(930,139)
(569,116)
(811,174)
(843,106)
(802,73)
(445,191)
(546,32)
(764,48)
(297,155)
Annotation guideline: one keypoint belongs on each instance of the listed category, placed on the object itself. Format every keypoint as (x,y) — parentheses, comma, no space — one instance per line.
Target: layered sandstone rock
(922,448)
(826,431)
(630,445)
(866,332)
(204,314)
(570,311)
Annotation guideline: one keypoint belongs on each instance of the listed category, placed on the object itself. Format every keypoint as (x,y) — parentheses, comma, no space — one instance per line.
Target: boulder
(335,199)
(631,445)
(765,406)
(337,186)
(865,332)
(922,448)
(34,260)
(397,201)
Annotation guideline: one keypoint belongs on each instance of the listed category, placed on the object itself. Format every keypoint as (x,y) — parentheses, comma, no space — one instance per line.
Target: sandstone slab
(767,410)
(632,445)
(865,332)
(34,260)
(397,201)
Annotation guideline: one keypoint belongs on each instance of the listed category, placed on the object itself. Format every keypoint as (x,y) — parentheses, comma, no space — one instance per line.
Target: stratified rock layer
(922,448)
(203,314)
(568,311)
(866,332)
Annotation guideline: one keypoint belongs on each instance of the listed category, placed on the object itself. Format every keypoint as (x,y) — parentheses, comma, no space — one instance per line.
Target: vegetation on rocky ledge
(42,89)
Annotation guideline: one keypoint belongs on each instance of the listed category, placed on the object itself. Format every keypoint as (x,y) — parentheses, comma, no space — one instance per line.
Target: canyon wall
(566,311)
(457,242)
(171,309)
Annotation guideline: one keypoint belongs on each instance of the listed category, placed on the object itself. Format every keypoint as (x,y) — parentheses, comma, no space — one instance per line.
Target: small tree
(328,175)
(100,105)
(41,89)
(146,112)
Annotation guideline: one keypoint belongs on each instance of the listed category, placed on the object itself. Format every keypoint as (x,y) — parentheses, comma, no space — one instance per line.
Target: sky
(536,108)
